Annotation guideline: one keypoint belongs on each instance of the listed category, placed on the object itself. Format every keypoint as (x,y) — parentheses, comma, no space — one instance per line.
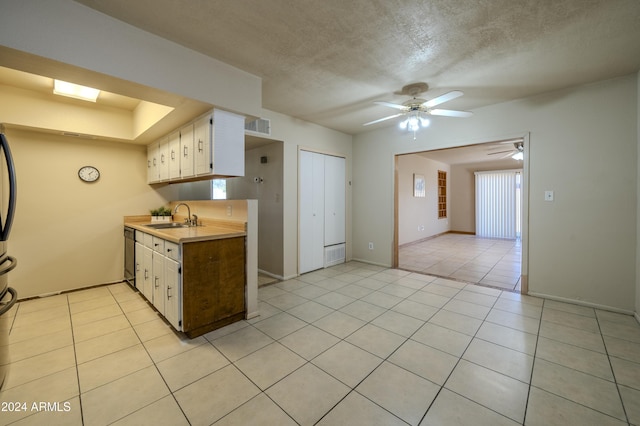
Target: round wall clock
(88,174)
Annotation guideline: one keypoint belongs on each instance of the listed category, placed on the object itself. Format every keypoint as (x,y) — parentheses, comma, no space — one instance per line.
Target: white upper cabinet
(153,161)
(163,156)
(212,145)
(202,145)
(227,144)
(174,155)
(186,151)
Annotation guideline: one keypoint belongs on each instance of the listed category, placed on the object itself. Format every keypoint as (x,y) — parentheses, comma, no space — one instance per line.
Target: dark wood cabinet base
(193,333)
(214,281)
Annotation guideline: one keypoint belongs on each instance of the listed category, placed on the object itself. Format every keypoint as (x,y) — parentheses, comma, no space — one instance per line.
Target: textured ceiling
(327,61)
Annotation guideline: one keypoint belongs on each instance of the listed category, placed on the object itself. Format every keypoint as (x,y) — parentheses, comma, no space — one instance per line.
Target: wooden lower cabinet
(213,284)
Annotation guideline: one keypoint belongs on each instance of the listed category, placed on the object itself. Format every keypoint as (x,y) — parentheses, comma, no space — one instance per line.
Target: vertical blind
(497,204)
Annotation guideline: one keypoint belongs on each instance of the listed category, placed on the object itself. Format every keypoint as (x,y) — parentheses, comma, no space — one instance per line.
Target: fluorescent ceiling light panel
(75,91)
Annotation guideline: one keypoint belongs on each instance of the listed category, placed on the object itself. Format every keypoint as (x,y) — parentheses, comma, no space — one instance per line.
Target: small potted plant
(161,214)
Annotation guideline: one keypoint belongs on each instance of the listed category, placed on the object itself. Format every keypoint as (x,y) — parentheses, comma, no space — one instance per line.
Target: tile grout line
(153,361)
(460,359)
(613,373)
(533,364)
(75,356)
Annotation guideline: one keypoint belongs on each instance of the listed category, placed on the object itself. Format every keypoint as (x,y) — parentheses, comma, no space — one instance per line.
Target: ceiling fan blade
(382,119)
(450,113)
(392,105)
(442,98)
(499,152)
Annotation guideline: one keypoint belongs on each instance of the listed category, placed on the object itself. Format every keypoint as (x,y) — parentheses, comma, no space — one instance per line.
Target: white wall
(71,33)
(301,134)
(418,216)
(268,192)
(67,233)
(583,145)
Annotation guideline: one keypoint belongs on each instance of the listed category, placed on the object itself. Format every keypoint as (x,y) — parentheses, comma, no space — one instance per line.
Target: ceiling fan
(417,109)
(517,152)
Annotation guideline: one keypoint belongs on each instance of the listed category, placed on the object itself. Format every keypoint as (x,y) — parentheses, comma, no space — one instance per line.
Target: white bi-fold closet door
(322,212)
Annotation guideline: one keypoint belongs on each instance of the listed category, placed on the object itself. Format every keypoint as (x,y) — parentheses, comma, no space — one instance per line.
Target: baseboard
(524,284)
(269,274)
(422,240)
(368,262)
(71,290)
(583,303)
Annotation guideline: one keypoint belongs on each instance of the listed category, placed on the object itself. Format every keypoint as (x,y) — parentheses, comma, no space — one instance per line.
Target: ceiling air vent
(261,126)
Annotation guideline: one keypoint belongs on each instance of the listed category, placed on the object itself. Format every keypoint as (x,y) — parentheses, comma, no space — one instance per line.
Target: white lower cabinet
(158,276)
(159,285)
(173,293)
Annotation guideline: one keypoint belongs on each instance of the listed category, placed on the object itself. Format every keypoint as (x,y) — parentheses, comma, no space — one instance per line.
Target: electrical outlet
(229,210)
(370,246)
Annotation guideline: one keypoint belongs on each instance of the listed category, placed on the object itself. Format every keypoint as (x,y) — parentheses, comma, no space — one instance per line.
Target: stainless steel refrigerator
(8,295)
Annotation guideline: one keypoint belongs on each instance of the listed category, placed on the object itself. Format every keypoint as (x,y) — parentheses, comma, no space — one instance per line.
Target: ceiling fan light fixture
(414,123)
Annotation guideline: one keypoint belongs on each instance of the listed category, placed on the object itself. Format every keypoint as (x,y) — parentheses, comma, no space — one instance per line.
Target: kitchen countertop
(206,232)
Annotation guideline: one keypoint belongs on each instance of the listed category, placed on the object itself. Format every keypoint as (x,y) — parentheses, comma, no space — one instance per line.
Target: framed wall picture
(418,185)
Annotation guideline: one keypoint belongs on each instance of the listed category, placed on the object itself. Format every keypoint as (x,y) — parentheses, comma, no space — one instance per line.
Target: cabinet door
(163,159)
(202,146)
(334,200)
(173,292)
(147,275)
(311,233)
(158,282)
(227,144)
(187,151)
(174,155)
(152,163)
(140,267)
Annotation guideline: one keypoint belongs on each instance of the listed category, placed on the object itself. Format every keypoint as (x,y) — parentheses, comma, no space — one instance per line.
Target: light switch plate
(548,195)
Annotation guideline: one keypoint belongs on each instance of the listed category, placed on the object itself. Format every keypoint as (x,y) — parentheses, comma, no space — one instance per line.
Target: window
(442,194)
(219,189)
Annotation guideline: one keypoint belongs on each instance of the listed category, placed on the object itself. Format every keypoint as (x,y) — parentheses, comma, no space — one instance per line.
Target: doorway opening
(450,246)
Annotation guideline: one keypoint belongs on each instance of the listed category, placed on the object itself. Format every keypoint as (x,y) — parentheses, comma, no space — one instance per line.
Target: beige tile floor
(486,261)
(354,344)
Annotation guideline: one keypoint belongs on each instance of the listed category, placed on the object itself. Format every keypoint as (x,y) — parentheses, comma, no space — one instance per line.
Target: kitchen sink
(167,225)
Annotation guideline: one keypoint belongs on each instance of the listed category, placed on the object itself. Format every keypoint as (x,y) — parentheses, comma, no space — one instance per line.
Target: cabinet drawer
(147,240)
(158,245)
(172,250)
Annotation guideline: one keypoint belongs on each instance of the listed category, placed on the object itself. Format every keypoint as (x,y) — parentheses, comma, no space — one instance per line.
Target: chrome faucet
(188,220)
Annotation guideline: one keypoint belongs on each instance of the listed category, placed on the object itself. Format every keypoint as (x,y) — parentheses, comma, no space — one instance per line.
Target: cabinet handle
(155,280)
(185,151)
(200,145)
(146,273)
(148,164)
(173,155)
(137,267)
(168,292)
(154,161)
(162,158)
